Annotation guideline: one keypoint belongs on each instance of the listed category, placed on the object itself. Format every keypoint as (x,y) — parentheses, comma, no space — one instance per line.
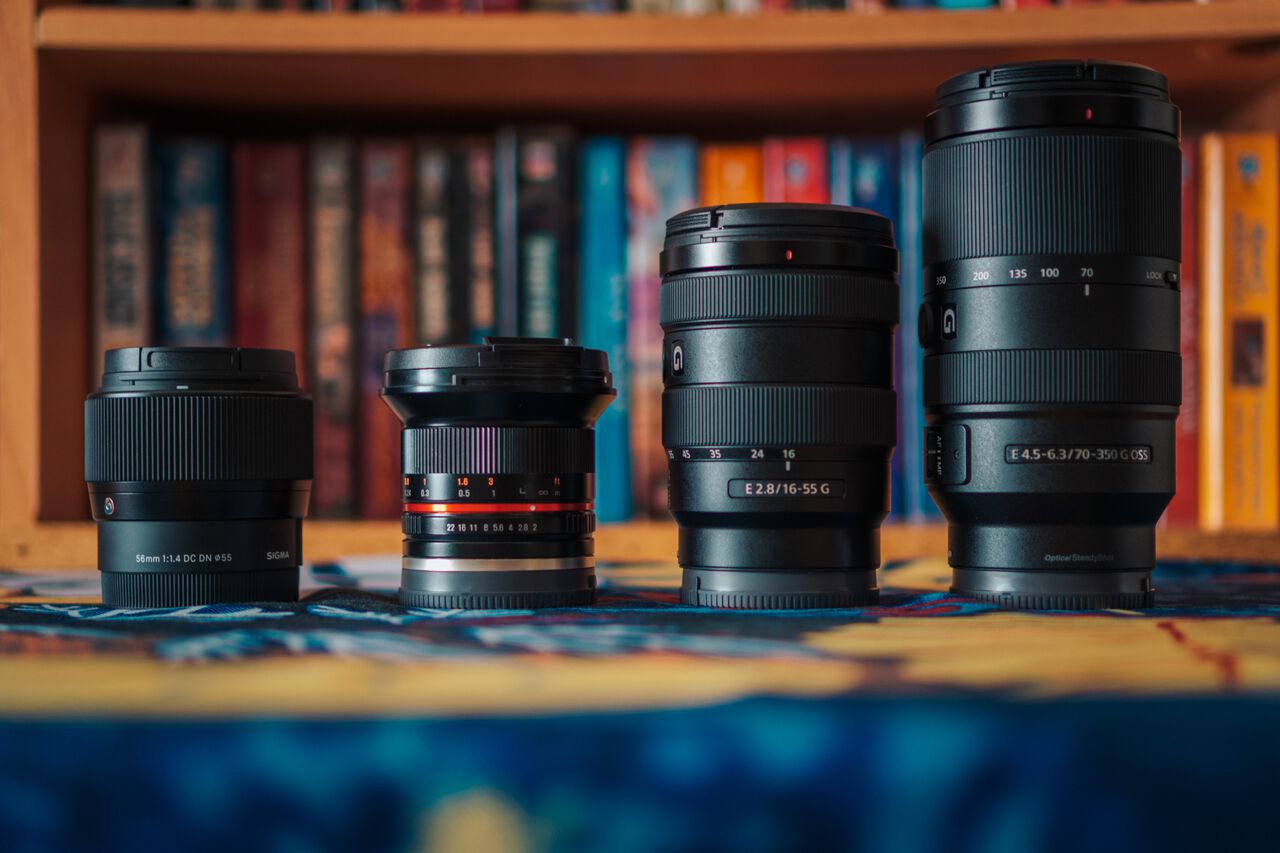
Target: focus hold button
(927,325)
(946,455)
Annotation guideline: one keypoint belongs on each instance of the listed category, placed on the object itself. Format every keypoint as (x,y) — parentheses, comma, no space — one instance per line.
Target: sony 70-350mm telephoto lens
(778,414)
(1050,328)
(498,453)
(198,463)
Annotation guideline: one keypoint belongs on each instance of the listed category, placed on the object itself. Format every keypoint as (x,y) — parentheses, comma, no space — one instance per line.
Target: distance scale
(515,492)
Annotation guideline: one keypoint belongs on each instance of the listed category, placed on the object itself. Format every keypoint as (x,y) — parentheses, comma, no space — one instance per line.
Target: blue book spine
(839,171)
(964,4)
(916,503)
(874,183)
(193,292)
(602,240)
(506,235)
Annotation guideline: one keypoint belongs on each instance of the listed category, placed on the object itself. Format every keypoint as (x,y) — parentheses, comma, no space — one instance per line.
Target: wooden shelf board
(72,545)
(550,34)
(819,68)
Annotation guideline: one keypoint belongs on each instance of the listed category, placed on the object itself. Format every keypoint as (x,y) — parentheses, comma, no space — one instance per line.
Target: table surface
(1151,722)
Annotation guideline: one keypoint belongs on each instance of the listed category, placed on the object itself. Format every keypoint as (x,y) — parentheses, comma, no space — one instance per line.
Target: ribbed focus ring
(1053,376)
(498,450)
(197,437)
(778,415)
(1052,193)
(770,295)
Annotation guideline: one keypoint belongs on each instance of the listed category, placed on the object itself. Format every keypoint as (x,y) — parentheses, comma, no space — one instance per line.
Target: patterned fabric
(348,722)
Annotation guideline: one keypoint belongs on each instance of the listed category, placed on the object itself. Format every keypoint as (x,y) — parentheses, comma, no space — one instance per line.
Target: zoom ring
(778,416)
(197,437)
(778,295)
(1073,194)
(498,450)
(1053,376)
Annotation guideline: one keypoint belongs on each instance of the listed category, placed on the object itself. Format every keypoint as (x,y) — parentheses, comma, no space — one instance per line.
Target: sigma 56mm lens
(198,463)
(1050,328)
(498,453)
(778,411)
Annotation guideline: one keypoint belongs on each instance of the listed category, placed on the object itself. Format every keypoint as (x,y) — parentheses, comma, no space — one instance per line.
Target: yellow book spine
(1240,464)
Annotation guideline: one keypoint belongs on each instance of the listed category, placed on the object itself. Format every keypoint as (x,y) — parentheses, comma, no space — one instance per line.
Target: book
(268,255)
(474,254)
(731,174)
(121,239)
(839,170)
(386,315)
(505,236)
(332,247)
(661,182)
(1184,509)
(602,281)
(440,315)
(795,170)
(1239,468)
(193,294)
(908,456)
(546,272)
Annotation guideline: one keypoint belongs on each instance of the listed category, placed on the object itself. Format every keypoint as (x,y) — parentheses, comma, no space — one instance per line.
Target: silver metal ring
(451,564)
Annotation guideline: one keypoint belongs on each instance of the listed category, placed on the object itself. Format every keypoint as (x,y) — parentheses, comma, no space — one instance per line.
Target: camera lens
(778,411)
(1050,328)
(498,453)
(198,463)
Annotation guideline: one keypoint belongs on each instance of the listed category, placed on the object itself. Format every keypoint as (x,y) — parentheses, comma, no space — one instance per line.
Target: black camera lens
(1050,328)
(498,453)
(778,410)
(198,463)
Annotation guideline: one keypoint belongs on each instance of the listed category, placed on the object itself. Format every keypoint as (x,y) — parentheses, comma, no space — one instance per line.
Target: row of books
(341,249)
(679,7)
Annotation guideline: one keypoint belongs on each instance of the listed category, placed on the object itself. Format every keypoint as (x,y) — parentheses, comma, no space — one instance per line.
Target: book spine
(506,235)
(475,254)
(662,181)
(386,314)
(916,503)
(1184,509)
(122,247)
(731,174)
(333,350)
(603,314)
(269,255)
(839,168)
(874,178)
(795,170)
(546,274)
(1240,485)
(433,293)
(192,289)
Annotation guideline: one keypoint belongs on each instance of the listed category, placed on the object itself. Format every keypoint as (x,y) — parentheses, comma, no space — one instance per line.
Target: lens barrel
(198,463)
(778,411)
(498,452)
(1052,375)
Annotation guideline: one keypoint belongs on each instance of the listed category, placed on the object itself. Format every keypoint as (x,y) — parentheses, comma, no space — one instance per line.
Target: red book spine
(386,315)
(333,325)
(795,170)
(1184,509)
(269,261)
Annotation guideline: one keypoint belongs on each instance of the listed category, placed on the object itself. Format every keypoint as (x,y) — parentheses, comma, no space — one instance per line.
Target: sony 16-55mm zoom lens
(1050,328)
(198,463)
(778,413)
(498,453)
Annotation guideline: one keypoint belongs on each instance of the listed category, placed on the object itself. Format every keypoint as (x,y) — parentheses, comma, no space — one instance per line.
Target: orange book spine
(1240,391)
(731,174)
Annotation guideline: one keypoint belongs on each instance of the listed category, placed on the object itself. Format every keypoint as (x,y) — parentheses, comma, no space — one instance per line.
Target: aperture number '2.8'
(1031,454)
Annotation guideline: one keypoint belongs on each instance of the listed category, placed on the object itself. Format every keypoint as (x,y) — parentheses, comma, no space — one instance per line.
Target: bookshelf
(65,66)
